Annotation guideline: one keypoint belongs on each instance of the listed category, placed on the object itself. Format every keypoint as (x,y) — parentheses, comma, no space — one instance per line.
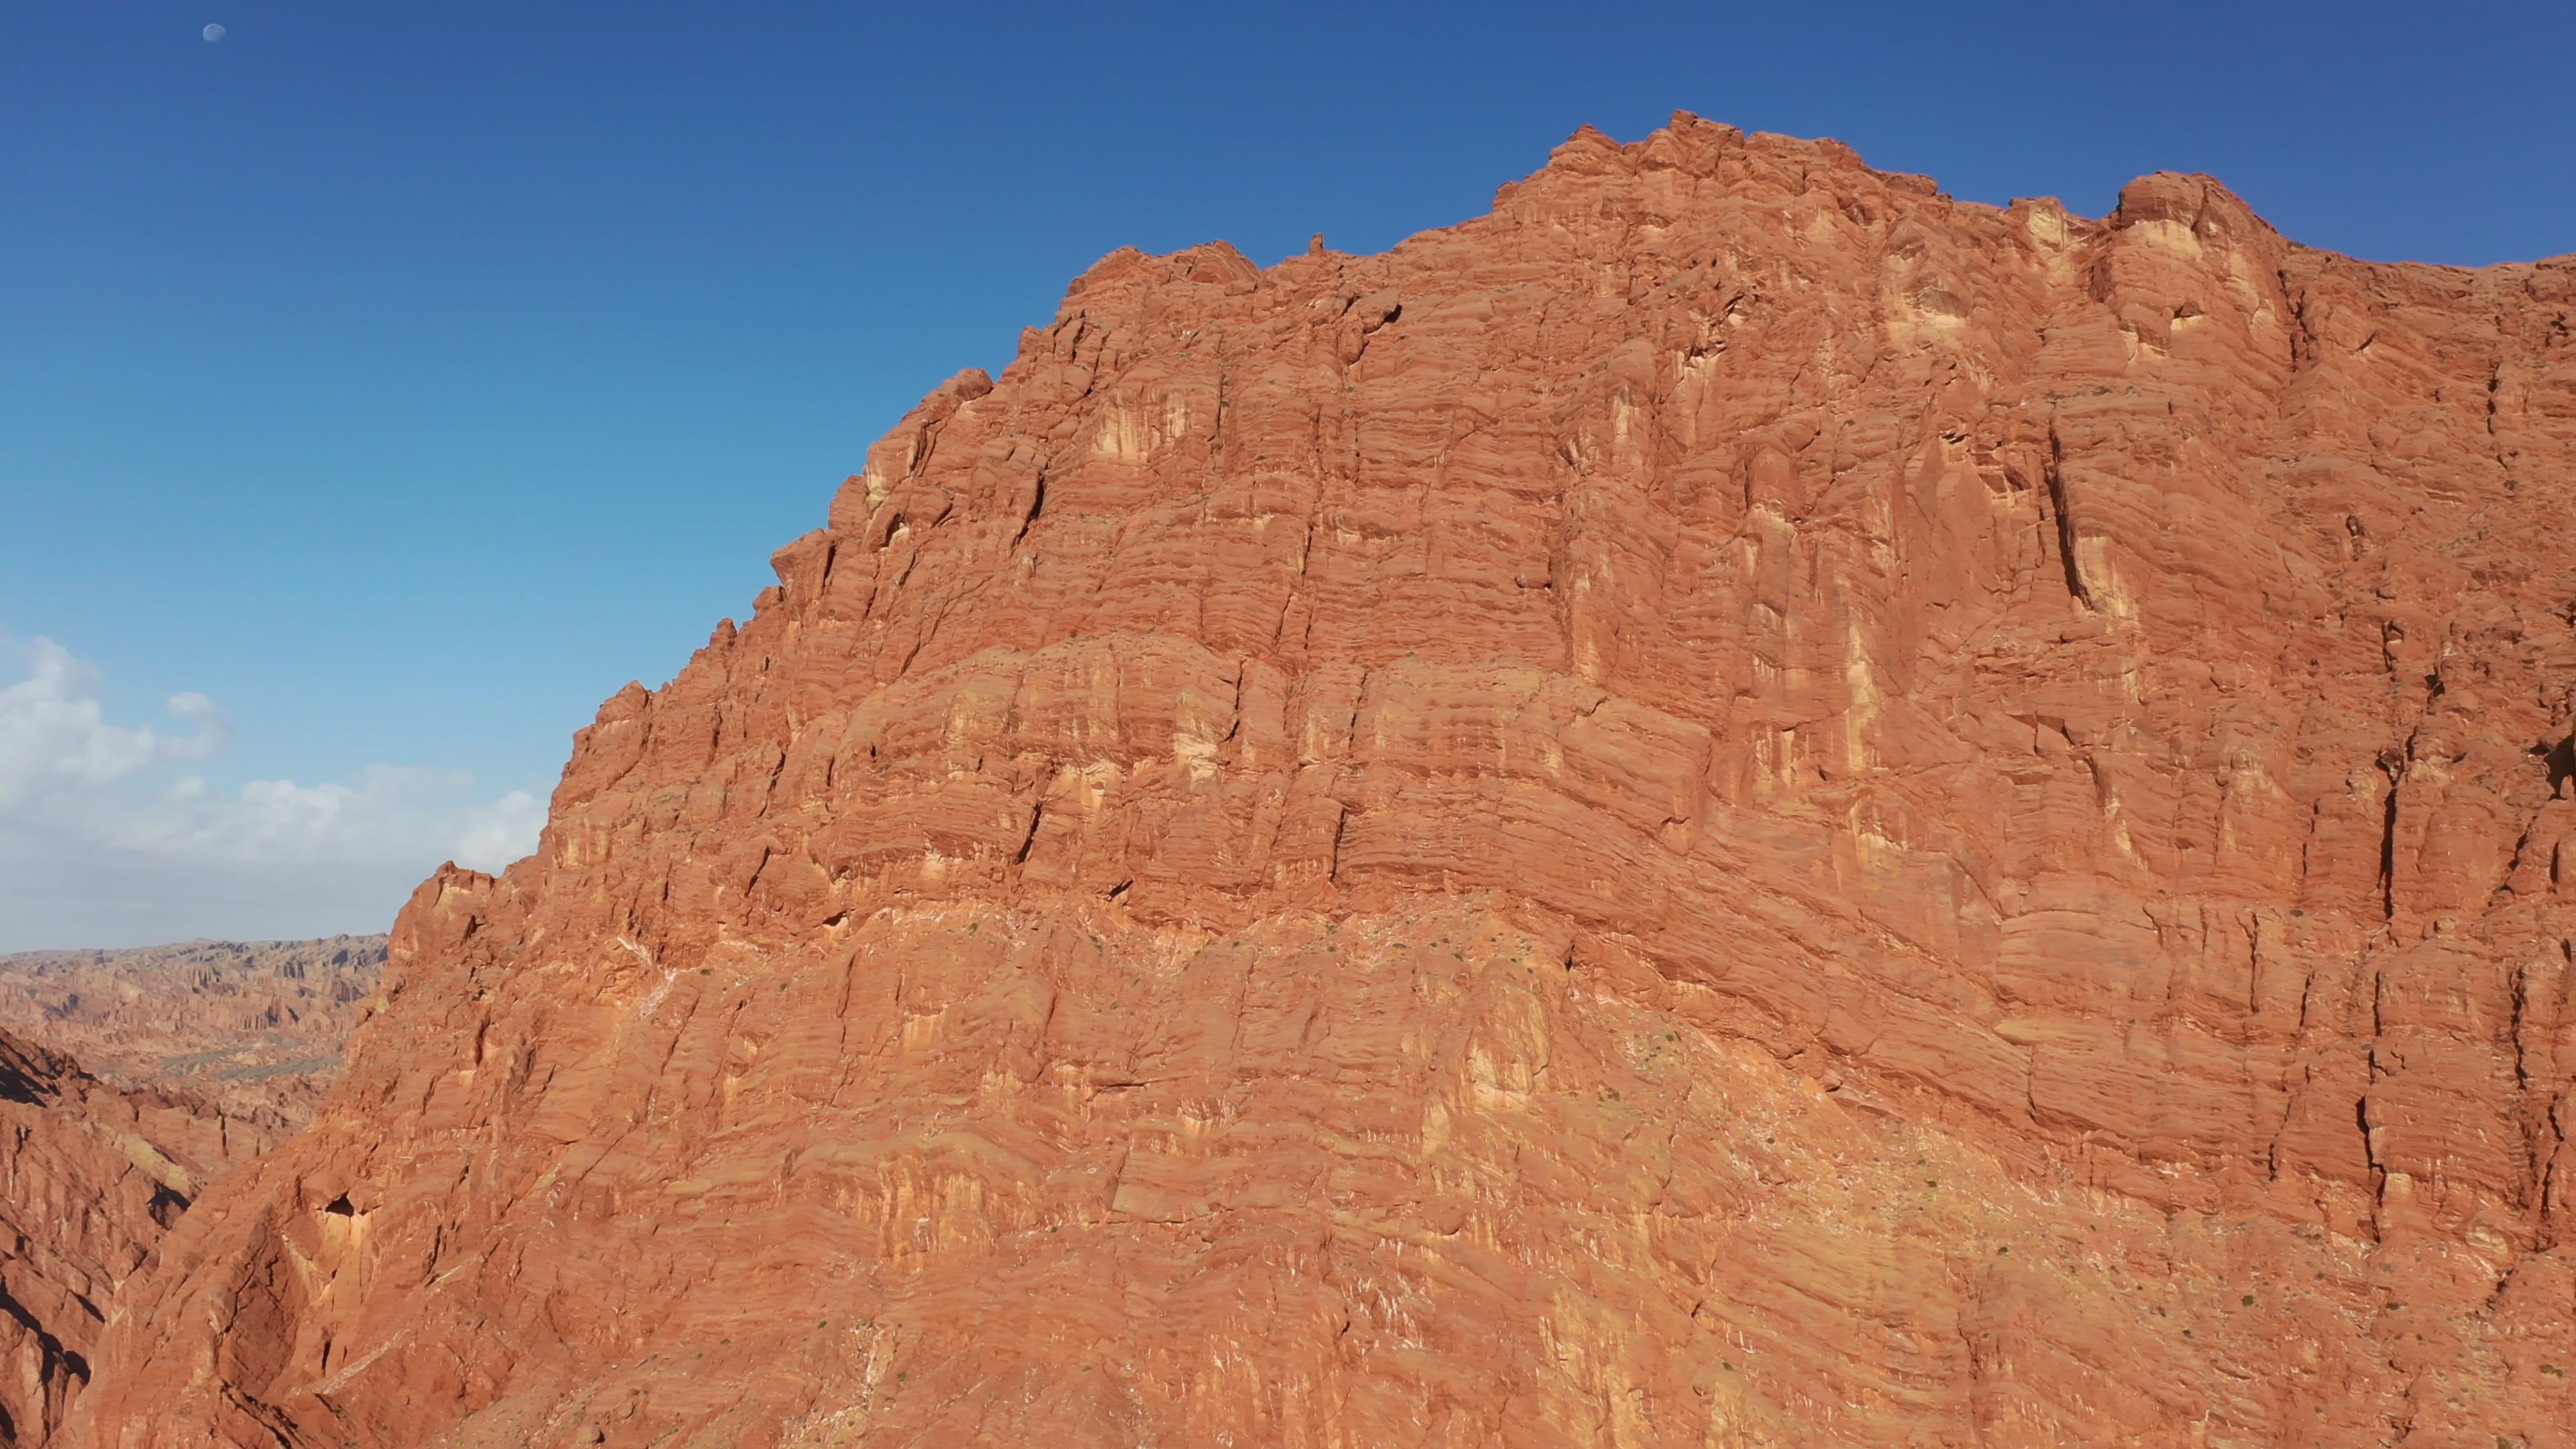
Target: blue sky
(388,385)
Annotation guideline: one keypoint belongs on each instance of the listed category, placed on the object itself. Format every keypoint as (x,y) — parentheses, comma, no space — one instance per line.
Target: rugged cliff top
(1737,804)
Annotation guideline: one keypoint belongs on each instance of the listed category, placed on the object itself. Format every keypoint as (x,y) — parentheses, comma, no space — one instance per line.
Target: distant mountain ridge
(255,1027)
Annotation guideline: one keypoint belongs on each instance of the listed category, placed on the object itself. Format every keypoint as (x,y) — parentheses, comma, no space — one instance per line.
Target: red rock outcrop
(90,1178)
(255,1027)
(1740,804)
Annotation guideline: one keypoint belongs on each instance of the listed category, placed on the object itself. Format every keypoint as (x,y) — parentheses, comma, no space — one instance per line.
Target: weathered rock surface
(1740,804)
(255,1027)
(90,1178)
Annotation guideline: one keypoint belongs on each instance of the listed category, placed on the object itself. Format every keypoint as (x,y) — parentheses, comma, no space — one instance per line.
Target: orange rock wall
(1740,804)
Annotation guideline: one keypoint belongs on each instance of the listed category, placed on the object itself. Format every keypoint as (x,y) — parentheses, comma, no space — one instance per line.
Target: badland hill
(91,1177)
(255,1026)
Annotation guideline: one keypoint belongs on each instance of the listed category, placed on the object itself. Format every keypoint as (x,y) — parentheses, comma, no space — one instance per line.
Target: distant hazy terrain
(253,1026)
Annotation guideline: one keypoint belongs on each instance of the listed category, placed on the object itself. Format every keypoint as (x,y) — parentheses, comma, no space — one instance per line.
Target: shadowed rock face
(90,1179)
(211,1051)
(256,1027)
(1737,805)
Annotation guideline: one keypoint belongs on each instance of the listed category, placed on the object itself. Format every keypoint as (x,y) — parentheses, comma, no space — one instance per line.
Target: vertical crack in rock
(2062,506)
(1028,842)
(2396,773)
(1037,506)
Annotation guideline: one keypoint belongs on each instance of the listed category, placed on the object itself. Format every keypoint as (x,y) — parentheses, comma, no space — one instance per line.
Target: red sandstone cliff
(1738,805)
(90,1178)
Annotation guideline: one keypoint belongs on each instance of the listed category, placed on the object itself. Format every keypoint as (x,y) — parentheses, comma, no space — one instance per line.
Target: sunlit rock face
(1740,805)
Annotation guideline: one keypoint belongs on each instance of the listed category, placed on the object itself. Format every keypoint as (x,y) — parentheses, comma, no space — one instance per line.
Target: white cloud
(101,843)
(54,736)
(501,831)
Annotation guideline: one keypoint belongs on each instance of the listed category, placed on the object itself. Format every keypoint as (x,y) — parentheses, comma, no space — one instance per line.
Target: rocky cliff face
(206,1053)
(90,1178)
(1740,804)
(255,1027)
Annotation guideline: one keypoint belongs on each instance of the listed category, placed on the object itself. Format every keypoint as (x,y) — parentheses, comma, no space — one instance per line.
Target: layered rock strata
(1740,804)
